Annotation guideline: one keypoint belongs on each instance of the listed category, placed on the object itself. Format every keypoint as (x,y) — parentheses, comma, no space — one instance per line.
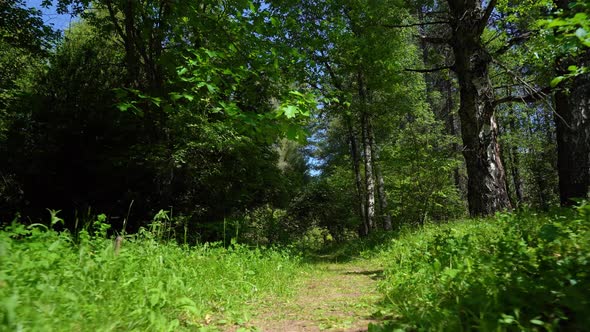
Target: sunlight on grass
(513,272)
(48,282)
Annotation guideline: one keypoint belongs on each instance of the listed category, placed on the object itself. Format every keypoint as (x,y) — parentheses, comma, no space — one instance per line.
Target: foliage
(262,226)
(529,151)
(24,27)
(513,272)
(203,143)
(569,31)
(413,162)
(63,281)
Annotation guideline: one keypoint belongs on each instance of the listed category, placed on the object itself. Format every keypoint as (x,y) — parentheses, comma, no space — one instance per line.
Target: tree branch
(488,13)
(429,70)
(413,24)
(436,13)
(435,40)
(532,97)
(113,18)
(513,41)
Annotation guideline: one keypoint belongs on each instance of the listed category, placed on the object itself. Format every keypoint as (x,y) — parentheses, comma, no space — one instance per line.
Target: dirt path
(332,297)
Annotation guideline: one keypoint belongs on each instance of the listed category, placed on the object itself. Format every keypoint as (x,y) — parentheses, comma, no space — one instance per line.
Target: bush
(515,272)
(264,226)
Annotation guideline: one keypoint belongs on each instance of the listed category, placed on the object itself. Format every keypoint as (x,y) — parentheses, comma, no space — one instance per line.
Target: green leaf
(557,80)
(536,322)
(156,101)
(291,133)
(581,33)
(211,88)
(290,111)
(211,54)
(274,22)
(124,107)
(175,96)
(296,93)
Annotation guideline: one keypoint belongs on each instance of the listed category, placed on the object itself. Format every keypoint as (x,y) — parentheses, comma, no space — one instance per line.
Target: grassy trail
(330,297)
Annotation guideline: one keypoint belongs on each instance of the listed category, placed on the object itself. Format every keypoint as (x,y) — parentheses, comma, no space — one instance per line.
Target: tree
(25,44)
(486,185)
(191,125)
(572,100)
(475,53)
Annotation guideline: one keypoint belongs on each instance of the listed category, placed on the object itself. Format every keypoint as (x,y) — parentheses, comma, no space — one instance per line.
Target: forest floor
(330,297)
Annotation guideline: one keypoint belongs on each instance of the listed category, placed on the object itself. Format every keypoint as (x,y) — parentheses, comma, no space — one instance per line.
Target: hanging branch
(535,95)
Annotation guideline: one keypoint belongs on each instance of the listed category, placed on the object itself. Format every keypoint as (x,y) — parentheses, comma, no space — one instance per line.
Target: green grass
(52,281)
(515,272)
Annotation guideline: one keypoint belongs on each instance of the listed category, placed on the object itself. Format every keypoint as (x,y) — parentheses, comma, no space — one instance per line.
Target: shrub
(515,272)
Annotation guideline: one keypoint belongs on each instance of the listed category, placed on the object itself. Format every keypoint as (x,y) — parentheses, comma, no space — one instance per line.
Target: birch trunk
(369,179)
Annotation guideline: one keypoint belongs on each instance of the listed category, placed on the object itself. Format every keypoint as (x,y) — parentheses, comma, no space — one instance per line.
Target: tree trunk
(572,122)
(573,140)
(387,224)
(354,154)
(131,54)
(516,175)
(367,132)
(454,129)
(369,180)
(515,169)
(486,184)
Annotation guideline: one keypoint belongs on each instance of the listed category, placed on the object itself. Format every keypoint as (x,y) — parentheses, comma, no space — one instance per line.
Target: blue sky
(50,15)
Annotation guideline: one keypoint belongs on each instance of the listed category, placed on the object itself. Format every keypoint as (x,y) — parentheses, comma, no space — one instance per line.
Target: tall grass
(52,281)
(515,272)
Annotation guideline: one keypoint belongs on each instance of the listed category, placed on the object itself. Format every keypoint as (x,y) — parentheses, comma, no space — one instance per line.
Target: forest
(193,165)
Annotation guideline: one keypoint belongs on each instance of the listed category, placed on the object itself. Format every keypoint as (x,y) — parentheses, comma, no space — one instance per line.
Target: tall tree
(486,184)
(572,106)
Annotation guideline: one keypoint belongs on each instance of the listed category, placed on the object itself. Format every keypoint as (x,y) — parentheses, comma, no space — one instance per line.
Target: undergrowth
(514,272)
(58,281)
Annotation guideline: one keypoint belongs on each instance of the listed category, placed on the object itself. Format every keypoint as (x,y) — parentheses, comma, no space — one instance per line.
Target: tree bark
(573,140)
(369,179)
(572,122)
(367,132)
(516,178)
(354,154)
(486,176)
(453,128)
(131,55)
